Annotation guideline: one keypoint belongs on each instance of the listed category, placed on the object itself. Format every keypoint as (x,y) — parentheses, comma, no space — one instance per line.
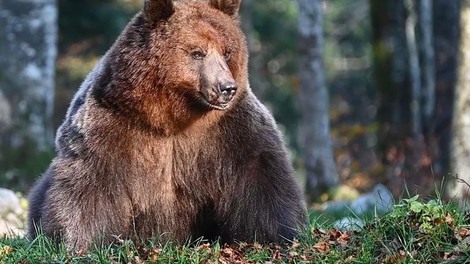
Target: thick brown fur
(149,149)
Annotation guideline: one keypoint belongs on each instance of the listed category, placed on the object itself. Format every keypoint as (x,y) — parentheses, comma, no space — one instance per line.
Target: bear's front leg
(86,216)
(265,203)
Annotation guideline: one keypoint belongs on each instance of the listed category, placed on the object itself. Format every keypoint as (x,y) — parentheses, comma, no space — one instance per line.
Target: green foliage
(89,20)
(415,232)
(425,231)
(21,165)
(274,59)
(427,214)
(347,54)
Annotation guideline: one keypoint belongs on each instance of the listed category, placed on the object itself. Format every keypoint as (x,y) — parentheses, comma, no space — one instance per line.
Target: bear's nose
(228,89)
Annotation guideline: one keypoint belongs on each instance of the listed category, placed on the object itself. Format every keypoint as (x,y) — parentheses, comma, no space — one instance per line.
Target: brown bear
(164,139)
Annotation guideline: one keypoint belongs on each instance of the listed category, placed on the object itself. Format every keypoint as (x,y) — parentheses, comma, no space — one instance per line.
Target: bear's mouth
(216,106)
(216,99)
(219,107)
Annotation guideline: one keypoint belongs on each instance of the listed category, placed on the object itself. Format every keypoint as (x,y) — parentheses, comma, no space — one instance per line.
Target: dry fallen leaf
(153,254)
(5,250)
(257,245)
(138,260)
(295,244)
(206,247)
(334,234)
(277,255)
(322,247)
(464,232)
(344,238)
(231,255)
(447,255)
(449,219)
(293,254)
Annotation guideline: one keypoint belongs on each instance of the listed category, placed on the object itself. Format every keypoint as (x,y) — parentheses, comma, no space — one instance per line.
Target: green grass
(415,232)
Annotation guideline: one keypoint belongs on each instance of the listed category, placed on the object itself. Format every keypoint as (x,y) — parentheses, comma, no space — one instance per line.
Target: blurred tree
(414,73)
(320,167)
(426,51)
(348,65)
(391,82)
(460,142)
(28,34)
(410,113)
(273,59)
(446,42)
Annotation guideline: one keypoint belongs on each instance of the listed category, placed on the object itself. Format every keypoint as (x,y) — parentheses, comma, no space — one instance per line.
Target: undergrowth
(416,231)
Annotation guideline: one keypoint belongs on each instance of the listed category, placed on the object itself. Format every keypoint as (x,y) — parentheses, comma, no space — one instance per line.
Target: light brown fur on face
(164,139)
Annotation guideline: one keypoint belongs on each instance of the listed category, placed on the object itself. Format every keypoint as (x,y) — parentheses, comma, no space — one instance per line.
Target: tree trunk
(446,41)
(428,72)
(460,189)
(414,71)
(412,108)
(319,163)
(416,151)
(28,31)
(391,79)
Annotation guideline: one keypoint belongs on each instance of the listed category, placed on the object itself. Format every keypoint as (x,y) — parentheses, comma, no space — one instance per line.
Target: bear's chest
(175,168)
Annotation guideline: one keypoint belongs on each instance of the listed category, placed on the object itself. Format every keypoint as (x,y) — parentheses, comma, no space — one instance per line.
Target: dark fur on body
(145,151)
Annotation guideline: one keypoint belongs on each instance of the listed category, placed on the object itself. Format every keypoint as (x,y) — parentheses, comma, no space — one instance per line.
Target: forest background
(389,78)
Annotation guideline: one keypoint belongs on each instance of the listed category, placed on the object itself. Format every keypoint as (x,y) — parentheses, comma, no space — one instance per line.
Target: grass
(416,231)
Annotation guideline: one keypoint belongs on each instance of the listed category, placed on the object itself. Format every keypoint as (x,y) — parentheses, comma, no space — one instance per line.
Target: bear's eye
(227,55)
(198,55)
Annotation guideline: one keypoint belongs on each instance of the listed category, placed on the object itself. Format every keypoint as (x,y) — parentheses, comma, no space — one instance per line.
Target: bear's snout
(218,86)
(228,91)
(221,94)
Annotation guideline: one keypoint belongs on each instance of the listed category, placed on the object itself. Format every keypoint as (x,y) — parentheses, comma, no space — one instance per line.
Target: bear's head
(177,61)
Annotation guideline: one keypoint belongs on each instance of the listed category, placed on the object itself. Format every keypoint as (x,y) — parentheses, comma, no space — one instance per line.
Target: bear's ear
(229,7)
(155,10)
